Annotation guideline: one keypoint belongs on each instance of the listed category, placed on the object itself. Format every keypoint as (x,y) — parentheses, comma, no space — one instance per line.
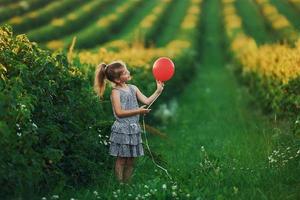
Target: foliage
(50,121)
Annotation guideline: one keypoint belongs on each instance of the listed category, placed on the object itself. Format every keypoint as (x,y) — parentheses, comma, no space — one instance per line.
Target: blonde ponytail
(110,72)
(99,81)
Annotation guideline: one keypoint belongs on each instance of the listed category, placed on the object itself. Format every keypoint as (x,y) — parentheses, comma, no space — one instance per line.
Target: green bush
(274,97)
(53,128)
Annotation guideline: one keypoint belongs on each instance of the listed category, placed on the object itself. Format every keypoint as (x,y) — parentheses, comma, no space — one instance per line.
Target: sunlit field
(226,126)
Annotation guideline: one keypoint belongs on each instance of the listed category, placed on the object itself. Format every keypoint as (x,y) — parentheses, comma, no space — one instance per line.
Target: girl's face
(125,75)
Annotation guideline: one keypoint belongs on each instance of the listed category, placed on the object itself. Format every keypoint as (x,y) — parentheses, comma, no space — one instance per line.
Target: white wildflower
(147,194)
(269,157)
(55,196)
(235,190)
(164,186)
(174,194)
(202,148)
(34,125)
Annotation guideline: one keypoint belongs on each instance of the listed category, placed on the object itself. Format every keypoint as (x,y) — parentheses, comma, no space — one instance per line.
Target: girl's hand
(144,110)
(159,86)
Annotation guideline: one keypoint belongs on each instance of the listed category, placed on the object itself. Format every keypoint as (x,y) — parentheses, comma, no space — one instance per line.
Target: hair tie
(105,68)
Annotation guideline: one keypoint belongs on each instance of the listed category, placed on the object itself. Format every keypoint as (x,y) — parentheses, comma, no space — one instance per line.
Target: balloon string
(153,101)
(148,145)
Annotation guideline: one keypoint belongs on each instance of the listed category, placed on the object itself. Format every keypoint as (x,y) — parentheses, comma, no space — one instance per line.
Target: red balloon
(163,69)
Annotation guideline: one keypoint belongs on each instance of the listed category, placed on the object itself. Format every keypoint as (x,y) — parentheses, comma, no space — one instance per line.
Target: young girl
(125,138)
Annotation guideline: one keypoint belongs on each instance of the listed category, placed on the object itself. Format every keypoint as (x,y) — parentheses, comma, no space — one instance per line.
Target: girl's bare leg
(128,169)
(119,167)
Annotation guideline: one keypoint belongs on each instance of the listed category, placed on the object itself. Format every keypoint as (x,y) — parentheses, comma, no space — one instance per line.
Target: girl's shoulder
(132,86)
(114,92)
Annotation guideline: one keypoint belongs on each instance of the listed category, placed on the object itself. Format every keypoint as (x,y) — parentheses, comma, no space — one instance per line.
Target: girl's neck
(121,85)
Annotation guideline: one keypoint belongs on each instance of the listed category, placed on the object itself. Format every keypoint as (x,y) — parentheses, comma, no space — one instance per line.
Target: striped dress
(125,138)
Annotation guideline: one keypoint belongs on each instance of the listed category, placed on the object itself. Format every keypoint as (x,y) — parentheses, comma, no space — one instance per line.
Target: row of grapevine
(277,21)
(148,26)
(184,37)
(189,23)
(170,23)
(101,30)
(289,11)
(7,2)
(74,21)
(271,70)
(21,7)
(42,16)
(143,30)
(253,22)
(295,3)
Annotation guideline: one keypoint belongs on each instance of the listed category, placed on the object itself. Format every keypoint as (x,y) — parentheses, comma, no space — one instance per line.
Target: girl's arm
(125,113)
(147,100)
